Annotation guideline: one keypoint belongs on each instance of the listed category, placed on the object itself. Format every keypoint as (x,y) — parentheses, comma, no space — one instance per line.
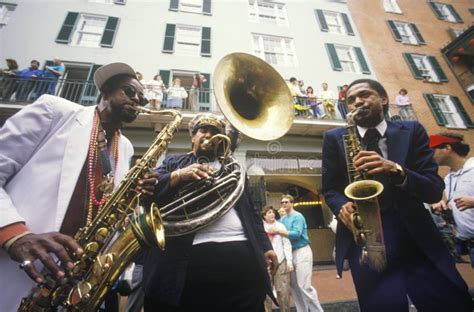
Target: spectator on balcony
(27,80)
(176,94)
(313,102)
(328,99)
(404,105)
(8,79)
(341,102)
(53,73)
(198,81)
(156,88)
(297,96)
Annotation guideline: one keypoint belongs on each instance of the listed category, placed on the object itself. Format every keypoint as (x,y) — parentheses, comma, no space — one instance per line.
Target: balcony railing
(406,112)
(24,91)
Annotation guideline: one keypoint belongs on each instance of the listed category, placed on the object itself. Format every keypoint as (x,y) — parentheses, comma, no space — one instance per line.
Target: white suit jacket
(43,148)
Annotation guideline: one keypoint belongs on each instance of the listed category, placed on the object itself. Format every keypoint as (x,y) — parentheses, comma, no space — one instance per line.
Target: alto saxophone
(366,222)
(110,242)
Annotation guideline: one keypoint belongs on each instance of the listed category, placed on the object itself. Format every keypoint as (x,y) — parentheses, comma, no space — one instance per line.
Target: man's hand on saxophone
(370,162)
(345,214)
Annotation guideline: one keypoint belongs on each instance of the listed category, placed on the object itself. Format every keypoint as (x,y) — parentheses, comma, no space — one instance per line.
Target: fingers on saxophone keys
(31,271)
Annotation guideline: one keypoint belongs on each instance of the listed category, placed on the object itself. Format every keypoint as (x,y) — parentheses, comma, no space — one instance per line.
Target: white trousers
(304,295)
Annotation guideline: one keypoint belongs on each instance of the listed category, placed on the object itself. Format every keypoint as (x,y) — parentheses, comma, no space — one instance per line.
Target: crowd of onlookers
(29,83)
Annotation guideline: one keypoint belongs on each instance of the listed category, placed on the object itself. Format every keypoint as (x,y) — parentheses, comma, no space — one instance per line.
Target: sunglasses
(284,202)
(131,93)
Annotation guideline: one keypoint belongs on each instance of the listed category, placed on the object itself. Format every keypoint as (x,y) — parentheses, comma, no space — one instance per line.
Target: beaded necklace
(92,160)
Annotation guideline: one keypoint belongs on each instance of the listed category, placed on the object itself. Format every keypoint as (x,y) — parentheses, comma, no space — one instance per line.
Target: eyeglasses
(131,93)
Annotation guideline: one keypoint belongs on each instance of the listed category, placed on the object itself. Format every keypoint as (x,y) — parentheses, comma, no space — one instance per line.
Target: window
(268,13)
(334,22)
(347,59)
(6,10)
(88,30)
(391,6)
(448,111)
(445,12)
(275,50)
(425,67)
(455,32)
(187,40)
(191,6)
(110,1)
(406,32)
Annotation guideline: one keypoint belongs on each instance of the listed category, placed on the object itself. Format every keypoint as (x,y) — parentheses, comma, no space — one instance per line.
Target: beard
(123,114)
(369,118)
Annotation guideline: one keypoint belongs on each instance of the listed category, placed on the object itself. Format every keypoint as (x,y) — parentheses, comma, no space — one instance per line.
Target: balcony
(396,112)
(16,93)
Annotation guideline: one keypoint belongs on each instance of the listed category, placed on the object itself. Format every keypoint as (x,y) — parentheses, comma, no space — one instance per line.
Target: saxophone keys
(101,234)
(80,293)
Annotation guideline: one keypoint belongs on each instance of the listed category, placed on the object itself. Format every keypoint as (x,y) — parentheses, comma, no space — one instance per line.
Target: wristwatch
(400,176)
(400,170)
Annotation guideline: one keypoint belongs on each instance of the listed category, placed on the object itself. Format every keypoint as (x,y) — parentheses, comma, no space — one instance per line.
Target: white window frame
(188,40)
(282,53)
(449,111)
(191,6)
(84,30)
(406,32)
(391,6)
(445,11)
(457,32)
(6,10)
(424,66)
(348,59)
(267,12)
(334,22)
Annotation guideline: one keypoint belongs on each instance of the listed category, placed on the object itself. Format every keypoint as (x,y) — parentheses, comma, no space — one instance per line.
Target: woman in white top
(156,88)
(176,94)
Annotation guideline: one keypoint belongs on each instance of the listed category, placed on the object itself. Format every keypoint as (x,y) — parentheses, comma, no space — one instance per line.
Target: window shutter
(335,63)
(362,62)
(460,108)
(417,33)
(413,68)
(395,32)
(174,5)
(436,10)
(205,92)
(165,76)
(122,2)
(169,38)
(90,92)
(438,115)
(65,33)
(206,41)
(109,32)
(348,25)
(437,68)
(454,13)
(323,25)
(206,7)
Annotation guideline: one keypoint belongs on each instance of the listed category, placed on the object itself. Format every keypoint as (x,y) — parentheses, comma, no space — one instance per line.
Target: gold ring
(24,264)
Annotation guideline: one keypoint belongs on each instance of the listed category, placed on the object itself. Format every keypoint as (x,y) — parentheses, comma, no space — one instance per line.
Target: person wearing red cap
(451,151)
(396,154)
(50,175)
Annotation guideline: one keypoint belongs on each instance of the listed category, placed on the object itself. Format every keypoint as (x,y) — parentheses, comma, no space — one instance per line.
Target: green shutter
(169,38)
(417,33)
(65,33)
(206,41)
(205,92)
(206,7)
(165,76)
(411,64)
(462,112)
(335,63)
(395,32)
(174,5)
(438,115)
(109,32)
(437,68)
(348,25)
(362,62)
(323,25)
(455,13)
(436,10)
(89,92)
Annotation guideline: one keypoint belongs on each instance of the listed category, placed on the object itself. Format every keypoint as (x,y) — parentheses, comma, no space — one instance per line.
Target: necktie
(371,141)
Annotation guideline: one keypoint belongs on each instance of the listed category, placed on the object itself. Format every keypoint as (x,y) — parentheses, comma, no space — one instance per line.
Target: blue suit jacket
(407,143)
(164,273)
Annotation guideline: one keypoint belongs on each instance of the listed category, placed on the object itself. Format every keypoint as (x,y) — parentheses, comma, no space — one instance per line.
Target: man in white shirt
(328,99)
(451,151)
(282,247)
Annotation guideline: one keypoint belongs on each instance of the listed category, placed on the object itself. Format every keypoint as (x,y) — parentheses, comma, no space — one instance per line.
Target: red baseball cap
(438,139)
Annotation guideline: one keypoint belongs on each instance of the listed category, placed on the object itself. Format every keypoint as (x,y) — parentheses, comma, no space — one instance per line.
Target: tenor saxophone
(110,241)
(366,222)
